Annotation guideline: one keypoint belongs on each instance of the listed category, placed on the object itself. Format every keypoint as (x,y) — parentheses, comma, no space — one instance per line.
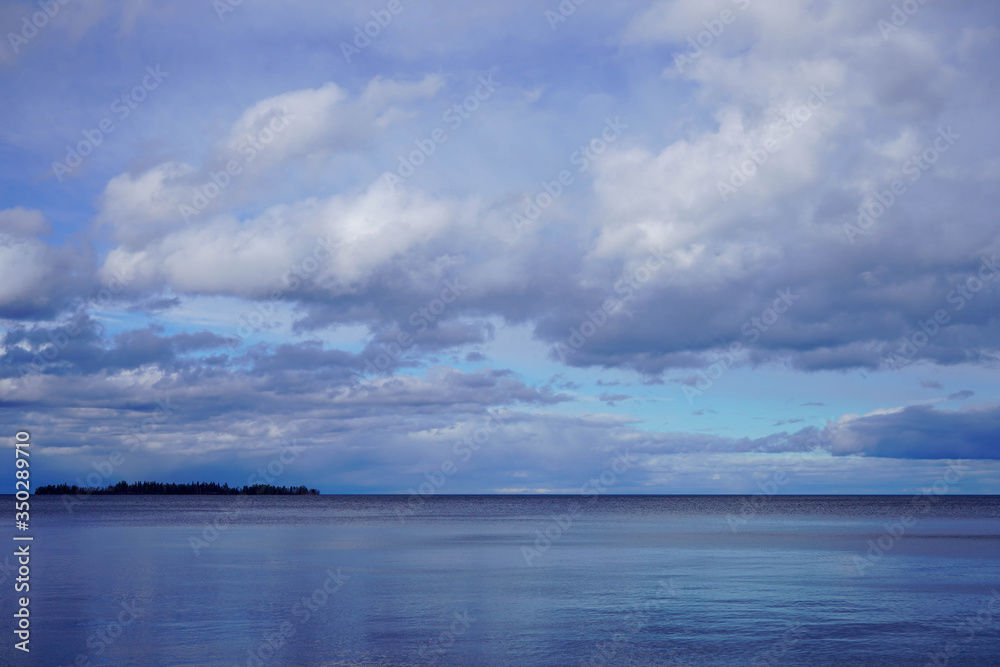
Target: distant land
(161,489)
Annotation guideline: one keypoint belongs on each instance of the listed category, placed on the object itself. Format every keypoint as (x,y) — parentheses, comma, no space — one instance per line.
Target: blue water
(376,580)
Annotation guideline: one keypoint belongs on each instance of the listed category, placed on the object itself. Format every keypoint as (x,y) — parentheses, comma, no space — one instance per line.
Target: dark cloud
(319,397)
(78,347)
(612,399)
(155,305)
(46,281)
(560,381)
(916,432)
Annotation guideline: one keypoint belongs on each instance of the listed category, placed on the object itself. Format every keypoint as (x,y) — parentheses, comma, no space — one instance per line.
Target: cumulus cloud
(37,279)
(781,189)
(746,205)
(800,98)
(141,206)
(20,221)
(335,244)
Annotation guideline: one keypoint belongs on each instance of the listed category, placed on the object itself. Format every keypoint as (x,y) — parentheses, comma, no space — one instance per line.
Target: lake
(513,580)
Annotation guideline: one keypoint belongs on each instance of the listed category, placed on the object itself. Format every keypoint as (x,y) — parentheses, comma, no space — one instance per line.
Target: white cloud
(351,236)
(26,265)
(35,277)
(275,131)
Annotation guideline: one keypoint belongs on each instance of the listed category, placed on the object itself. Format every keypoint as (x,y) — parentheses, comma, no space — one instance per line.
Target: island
(161,489)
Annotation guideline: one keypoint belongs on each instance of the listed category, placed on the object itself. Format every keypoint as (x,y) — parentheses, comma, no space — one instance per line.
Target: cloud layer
(373,253)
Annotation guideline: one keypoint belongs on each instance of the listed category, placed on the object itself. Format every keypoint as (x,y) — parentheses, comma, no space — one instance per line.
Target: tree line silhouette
(170,489)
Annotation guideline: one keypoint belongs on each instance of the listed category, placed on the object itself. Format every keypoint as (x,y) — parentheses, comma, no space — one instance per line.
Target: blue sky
(731,238)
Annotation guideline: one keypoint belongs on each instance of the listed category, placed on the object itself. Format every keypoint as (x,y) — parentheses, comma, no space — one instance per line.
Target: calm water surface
(509,580)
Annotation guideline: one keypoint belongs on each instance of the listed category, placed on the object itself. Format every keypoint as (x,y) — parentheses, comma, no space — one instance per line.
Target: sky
(713,246)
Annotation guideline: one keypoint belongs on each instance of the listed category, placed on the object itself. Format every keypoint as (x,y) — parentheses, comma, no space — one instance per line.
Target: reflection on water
(511,580)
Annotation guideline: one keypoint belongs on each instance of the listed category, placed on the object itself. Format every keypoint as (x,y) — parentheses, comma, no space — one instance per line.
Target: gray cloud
(916,432)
